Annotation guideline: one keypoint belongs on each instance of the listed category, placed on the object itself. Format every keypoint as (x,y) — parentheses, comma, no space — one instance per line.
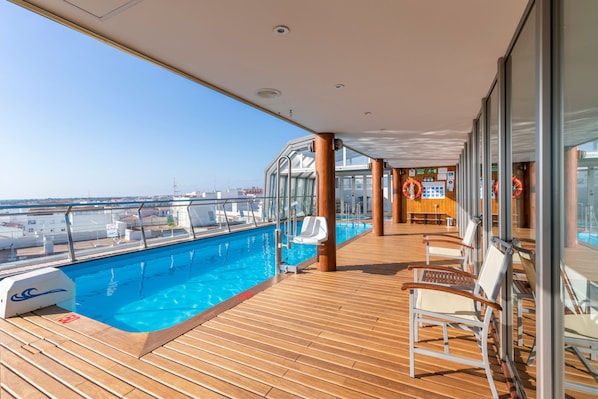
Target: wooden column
(523,201)
(396,195)
(377,197)
(531,177)
(571,162)
(325,198)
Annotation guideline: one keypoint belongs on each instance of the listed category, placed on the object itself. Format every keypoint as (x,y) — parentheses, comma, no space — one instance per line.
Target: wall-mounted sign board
(433,190)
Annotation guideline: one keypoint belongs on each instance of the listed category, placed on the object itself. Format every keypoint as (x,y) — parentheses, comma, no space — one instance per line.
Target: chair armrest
(450,290)
(442,237)
(444,269)
(455,243)
(447,235)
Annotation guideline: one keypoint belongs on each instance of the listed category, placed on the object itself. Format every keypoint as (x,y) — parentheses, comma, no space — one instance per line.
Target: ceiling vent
(268,93)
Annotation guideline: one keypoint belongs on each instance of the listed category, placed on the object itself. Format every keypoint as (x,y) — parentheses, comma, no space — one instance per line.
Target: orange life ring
(412,189)
(517,187)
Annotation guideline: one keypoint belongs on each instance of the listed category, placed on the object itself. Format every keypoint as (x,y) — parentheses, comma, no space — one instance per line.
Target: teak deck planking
(341,334)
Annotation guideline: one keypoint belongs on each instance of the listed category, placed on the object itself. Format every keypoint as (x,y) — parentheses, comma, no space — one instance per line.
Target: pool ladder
(290,224)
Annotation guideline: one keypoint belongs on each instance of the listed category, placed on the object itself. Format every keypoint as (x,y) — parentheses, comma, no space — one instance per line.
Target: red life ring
(409,189)
(517,187)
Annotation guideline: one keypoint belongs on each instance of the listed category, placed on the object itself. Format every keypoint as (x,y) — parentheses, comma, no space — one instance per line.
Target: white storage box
(34,290)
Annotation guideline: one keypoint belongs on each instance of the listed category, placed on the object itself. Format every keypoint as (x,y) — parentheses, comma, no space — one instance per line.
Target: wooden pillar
(523,201)
(571,155)
(531,177)
(325,199)
(377,197)
(396,195)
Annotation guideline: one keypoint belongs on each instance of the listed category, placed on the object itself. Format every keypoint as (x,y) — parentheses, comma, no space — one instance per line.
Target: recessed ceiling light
(268,93)
(339,86)
(281,30)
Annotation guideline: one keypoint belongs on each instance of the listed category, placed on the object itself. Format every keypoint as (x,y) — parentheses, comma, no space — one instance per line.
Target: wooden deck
(311,335)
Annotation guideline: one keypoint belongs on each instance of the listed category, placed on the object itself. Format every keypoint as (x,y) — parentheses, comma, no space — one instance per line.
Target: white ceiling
(413,71)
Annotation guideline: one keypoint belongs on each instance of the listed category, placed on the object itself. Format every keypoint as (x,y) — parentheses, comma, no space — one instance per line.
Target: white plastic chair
(448,306)
(314,231)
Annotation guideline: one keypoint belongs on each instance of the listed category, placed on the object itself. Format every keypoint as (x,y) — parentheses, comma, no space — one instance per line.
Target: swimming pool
(159,288)
(588,238)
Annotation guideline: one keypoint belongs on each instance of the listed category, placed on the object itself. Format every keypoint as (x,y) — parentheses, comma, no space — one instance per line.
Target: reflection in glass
(579,269)
(492,163)
(521,79)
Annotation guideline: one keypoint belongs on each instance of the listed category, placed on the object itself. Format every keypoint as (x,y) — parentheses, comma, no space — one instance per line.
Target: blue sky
(79,118)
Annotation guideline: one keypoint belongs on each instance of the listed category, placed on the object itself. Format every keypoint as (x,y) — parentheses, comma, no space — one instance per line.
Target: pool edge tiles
(138,344)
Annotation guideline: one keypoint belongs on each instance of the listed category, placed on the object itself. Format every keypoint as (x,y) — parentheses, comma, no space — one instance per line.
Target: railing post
(143,240)
(190,219)
(69,235)
(252,212)
(225,215)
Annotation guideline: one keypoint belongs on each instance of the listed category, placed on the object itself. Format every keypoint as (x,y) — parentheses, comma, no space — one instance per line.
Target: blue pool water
(591,239)
(159,288)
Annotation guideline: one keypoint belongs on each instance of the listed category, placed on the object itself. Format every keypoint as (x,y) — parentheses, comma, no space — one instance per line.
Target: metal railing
(63,233)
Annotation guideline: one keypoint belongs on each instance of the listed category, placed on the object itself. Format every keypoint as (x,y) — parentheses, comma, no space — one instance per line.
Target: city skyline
(82,119)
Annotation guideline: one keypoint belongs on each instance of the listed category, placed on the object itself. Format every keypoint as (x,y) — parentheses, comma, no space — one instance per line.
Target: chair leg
(585,362)
(445,338)
(413,324)
(532,354)
(519,321)
(487,367)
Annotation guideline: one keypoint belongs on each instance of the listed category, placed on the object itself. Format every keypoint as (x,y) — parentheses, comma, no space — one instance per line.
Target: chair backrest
(314,230)
(493,270)
(528,261)
(469,234)
(309,225)
(575,299)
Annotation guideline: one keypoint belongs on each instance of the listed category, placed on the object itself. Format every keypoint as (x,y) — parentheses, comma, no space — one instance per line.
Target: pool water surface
(588,238)
(160,288)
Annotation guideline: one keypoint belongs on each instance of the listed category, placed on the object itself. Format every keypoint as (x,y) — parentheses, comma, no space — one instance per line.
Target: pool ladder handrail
(289,224)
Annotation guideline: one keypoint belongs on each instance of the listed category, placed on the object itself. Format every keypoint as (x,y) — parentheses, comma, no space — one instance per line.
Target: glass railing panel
(56,234)
(32,235)
(98,229)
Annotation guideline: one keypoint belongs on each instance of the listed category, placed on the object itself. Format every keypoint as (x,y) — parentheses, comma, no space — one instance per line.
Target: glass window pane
(579,269)
(521,78)
(491,164)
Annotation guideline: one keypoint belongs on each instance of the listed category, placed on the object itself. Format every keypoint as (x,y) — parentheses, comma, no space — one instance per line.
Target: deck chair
(524,287)
(449,246)
(465,309)
(581,328)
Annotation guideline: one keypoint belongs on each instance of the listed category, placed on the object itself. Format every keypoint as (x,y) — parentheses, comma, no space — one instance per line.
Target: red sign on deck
(244,295)
(68,319)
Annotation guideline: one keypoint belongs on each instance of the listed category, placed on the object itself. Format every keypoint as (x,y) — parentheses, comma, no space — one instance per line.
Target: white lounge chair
(449,246)
(524,287)
(581,325)
(314,231)
(471,310)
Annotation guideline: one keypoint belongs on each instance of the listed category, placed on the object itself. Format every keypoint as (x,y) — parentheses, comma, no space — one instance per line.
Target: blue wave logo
(29,293)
